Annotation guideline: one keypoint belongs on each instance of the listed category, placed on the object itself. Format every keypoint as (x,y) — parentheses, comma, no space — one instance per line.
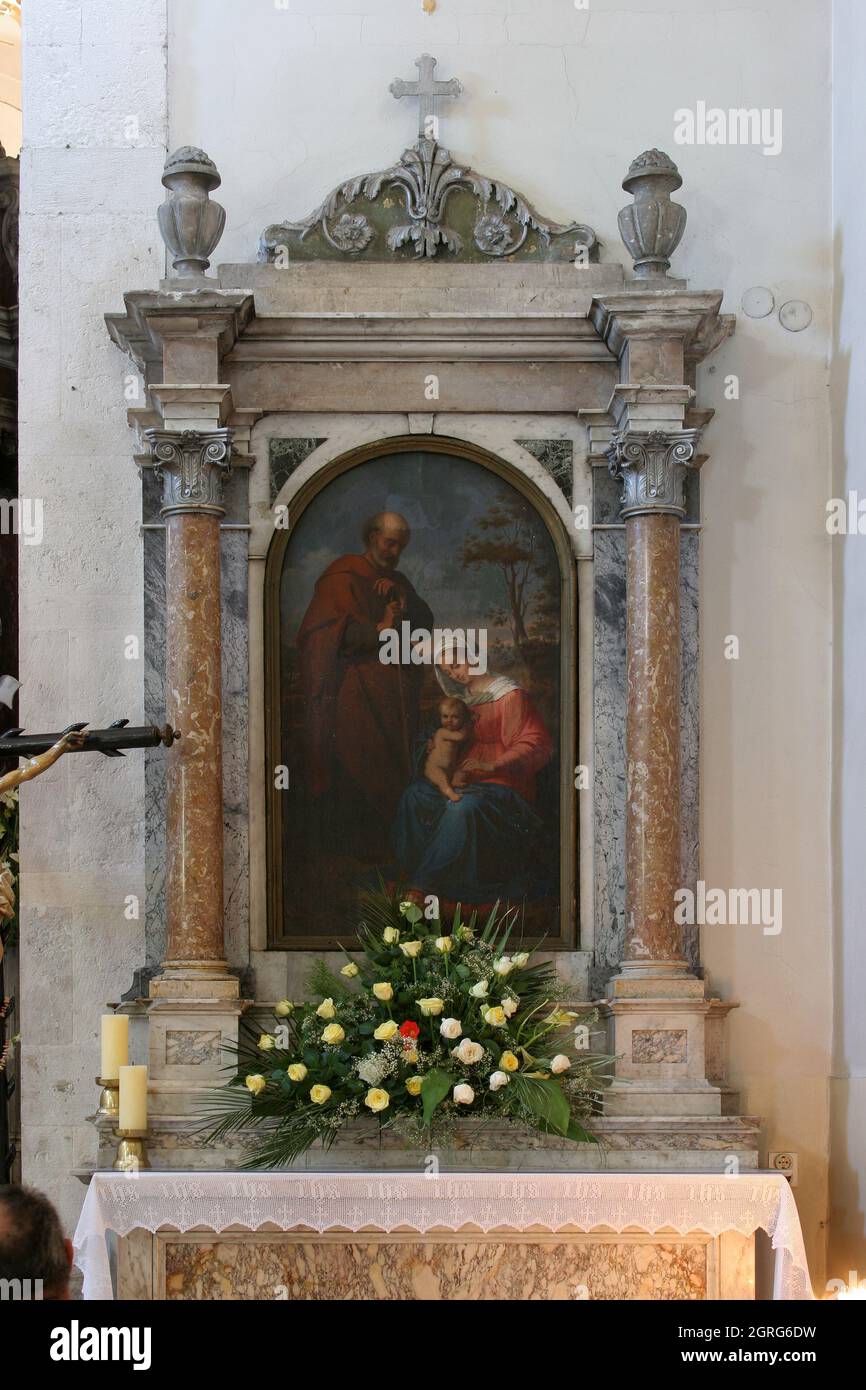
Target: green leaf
(545,1099)
(434,1088)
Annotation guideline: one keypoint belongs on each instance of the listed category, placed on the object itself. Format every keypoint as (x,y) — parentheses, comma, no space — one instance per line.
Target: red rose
(409,1029)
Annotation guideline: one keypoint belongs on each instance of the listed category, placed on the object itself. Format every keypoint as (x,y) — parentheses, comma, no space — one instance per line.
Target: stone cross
(426,89)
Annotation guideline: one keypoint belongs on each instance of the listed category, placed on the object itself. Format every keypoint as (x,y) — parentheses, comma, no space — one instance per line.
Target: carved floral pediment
(423,205)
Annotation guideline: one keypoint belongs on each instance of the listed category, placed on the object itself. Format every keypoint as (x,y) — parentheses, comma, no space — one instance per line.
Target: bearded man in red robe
(361,714)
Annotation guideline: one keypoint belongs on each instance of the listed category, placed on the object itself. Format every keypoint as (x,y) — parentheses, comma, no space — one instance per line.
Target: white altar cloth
(683,1202)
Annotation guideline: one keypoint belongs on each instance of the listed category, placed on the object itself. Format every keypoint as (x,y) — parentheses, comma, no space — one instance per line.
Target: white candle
(115,1045)
(133,1098)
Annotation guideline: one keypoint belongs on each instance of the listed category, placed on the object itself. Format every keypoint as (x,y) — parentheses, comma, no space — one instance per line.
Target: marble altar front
(410,1235)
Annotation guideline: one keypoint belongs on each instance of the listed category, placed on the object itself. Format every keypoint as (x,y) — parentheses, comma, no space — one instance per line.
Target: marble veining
(188,1047)
(461,1268)
(285,455)
(659,1045)
(235,724)
(654,693)
(557,457)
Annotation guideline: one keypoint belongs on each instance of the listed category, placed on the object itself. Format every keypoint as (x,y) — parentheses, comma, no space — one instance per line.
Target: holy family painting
(417,701)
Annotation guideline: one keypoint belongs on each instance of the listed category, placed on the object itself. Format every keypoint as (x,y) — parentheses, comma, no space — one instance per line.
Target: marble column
(657,1006)
(193,465)
(652,467)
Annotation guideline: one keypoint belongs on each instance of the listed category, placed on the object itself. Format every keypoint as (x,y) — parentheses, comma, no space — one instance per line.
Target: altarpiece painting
(443,765)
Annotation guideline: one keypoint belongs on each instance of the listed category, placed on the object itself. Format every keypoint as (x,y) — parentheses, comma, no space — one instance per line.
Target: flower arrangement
(422,1028)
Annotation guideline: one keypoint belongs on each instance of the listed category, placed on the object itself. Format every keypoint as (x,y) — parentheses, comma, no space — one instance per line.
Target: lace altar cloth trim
(385,1201)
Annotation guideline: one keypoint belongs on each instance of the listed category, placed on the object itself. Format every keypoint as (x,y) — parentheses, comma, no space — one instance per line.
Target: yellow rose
(410,1055)
(495,1017)
(411,948)
(319,1094)
(391,935)
(350,970)
(508,1062)
(413,1085)
(284,1008)
(405,907)
(255,1083)
(385,1030)
(333,1034)
(383,991)
(444,944)
(266,1042)
(431,1007)
(377,1099)
(326,1009)
(297,1071)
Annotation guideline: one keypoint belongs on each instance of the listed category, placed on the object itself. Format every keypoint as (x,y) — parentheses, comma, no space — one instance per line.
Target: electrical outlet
(783,1161)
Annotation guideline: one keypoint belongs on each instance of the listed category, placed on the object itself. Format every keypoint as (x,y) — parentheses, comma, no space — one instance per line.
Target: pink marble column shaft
(653,873)
(194,819)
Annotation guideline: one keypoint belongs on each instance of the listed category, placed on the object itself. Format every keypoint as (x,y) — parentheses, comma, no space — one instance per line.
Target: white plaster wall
(558,101)
(89,189)
(848,1082)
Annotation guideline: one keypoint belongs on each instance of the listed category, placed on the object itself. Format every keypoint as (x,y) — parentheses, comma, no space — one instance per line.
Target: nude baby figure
(447,744)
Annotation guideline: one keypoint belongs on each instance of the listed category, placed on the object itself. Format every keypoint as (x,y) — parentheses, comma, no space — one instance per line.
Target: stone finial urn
(191,225)
(652,226)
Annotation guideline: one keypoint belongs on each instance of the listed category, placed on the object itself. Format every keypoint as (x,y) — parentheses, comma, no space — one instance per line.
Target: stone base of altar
(534,1265)
(627,1143)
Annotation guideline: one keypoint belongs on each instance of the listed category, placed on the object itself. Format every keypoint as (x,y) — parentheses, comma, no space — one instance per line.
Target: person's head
(386,536)
(32,1244)
(453,713)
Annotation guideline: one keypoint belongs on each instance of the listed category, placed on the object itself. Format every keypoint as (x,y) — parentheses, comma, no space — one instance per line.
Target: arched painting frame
(552,910)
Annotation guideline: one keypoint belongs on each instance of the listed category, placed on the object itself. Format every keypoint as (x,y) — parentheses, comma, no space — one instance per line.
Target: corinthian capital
(651,465)
(193,465)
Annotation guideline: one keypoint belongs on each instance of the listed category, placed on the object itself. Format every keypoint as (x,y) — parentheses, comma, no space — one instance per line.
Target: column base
(195,979)
(190,1045)
(657,1027)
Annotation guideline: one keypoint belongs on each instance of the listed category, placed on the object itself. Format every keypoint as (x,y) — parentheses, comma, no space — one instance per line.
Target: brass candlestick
(131,1150)
(109,1098)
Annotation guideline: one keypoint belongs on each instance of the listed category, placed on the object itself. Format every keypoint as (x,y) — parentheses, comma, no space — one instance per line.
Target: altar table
(300,1235)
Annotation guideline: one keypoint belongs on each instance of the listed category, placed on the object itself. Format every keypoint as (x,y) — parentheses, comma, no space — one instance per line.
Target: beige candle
(133,1098)
(115,1045)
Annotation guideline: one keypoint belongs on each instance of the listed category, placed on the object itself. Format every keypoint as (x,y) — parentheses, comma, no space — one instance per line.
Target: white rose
(560,1063)
(504,965)
(479,991)
(451,1028)
(444,944)
(468,1051)
(368,1070)
(510,1006)
(463,1094)
(521,959)
(498,1079)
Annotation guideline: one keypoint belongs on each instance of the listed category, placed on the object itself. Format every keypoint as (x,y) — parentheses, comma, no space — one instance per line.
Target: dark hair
(32,1244)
